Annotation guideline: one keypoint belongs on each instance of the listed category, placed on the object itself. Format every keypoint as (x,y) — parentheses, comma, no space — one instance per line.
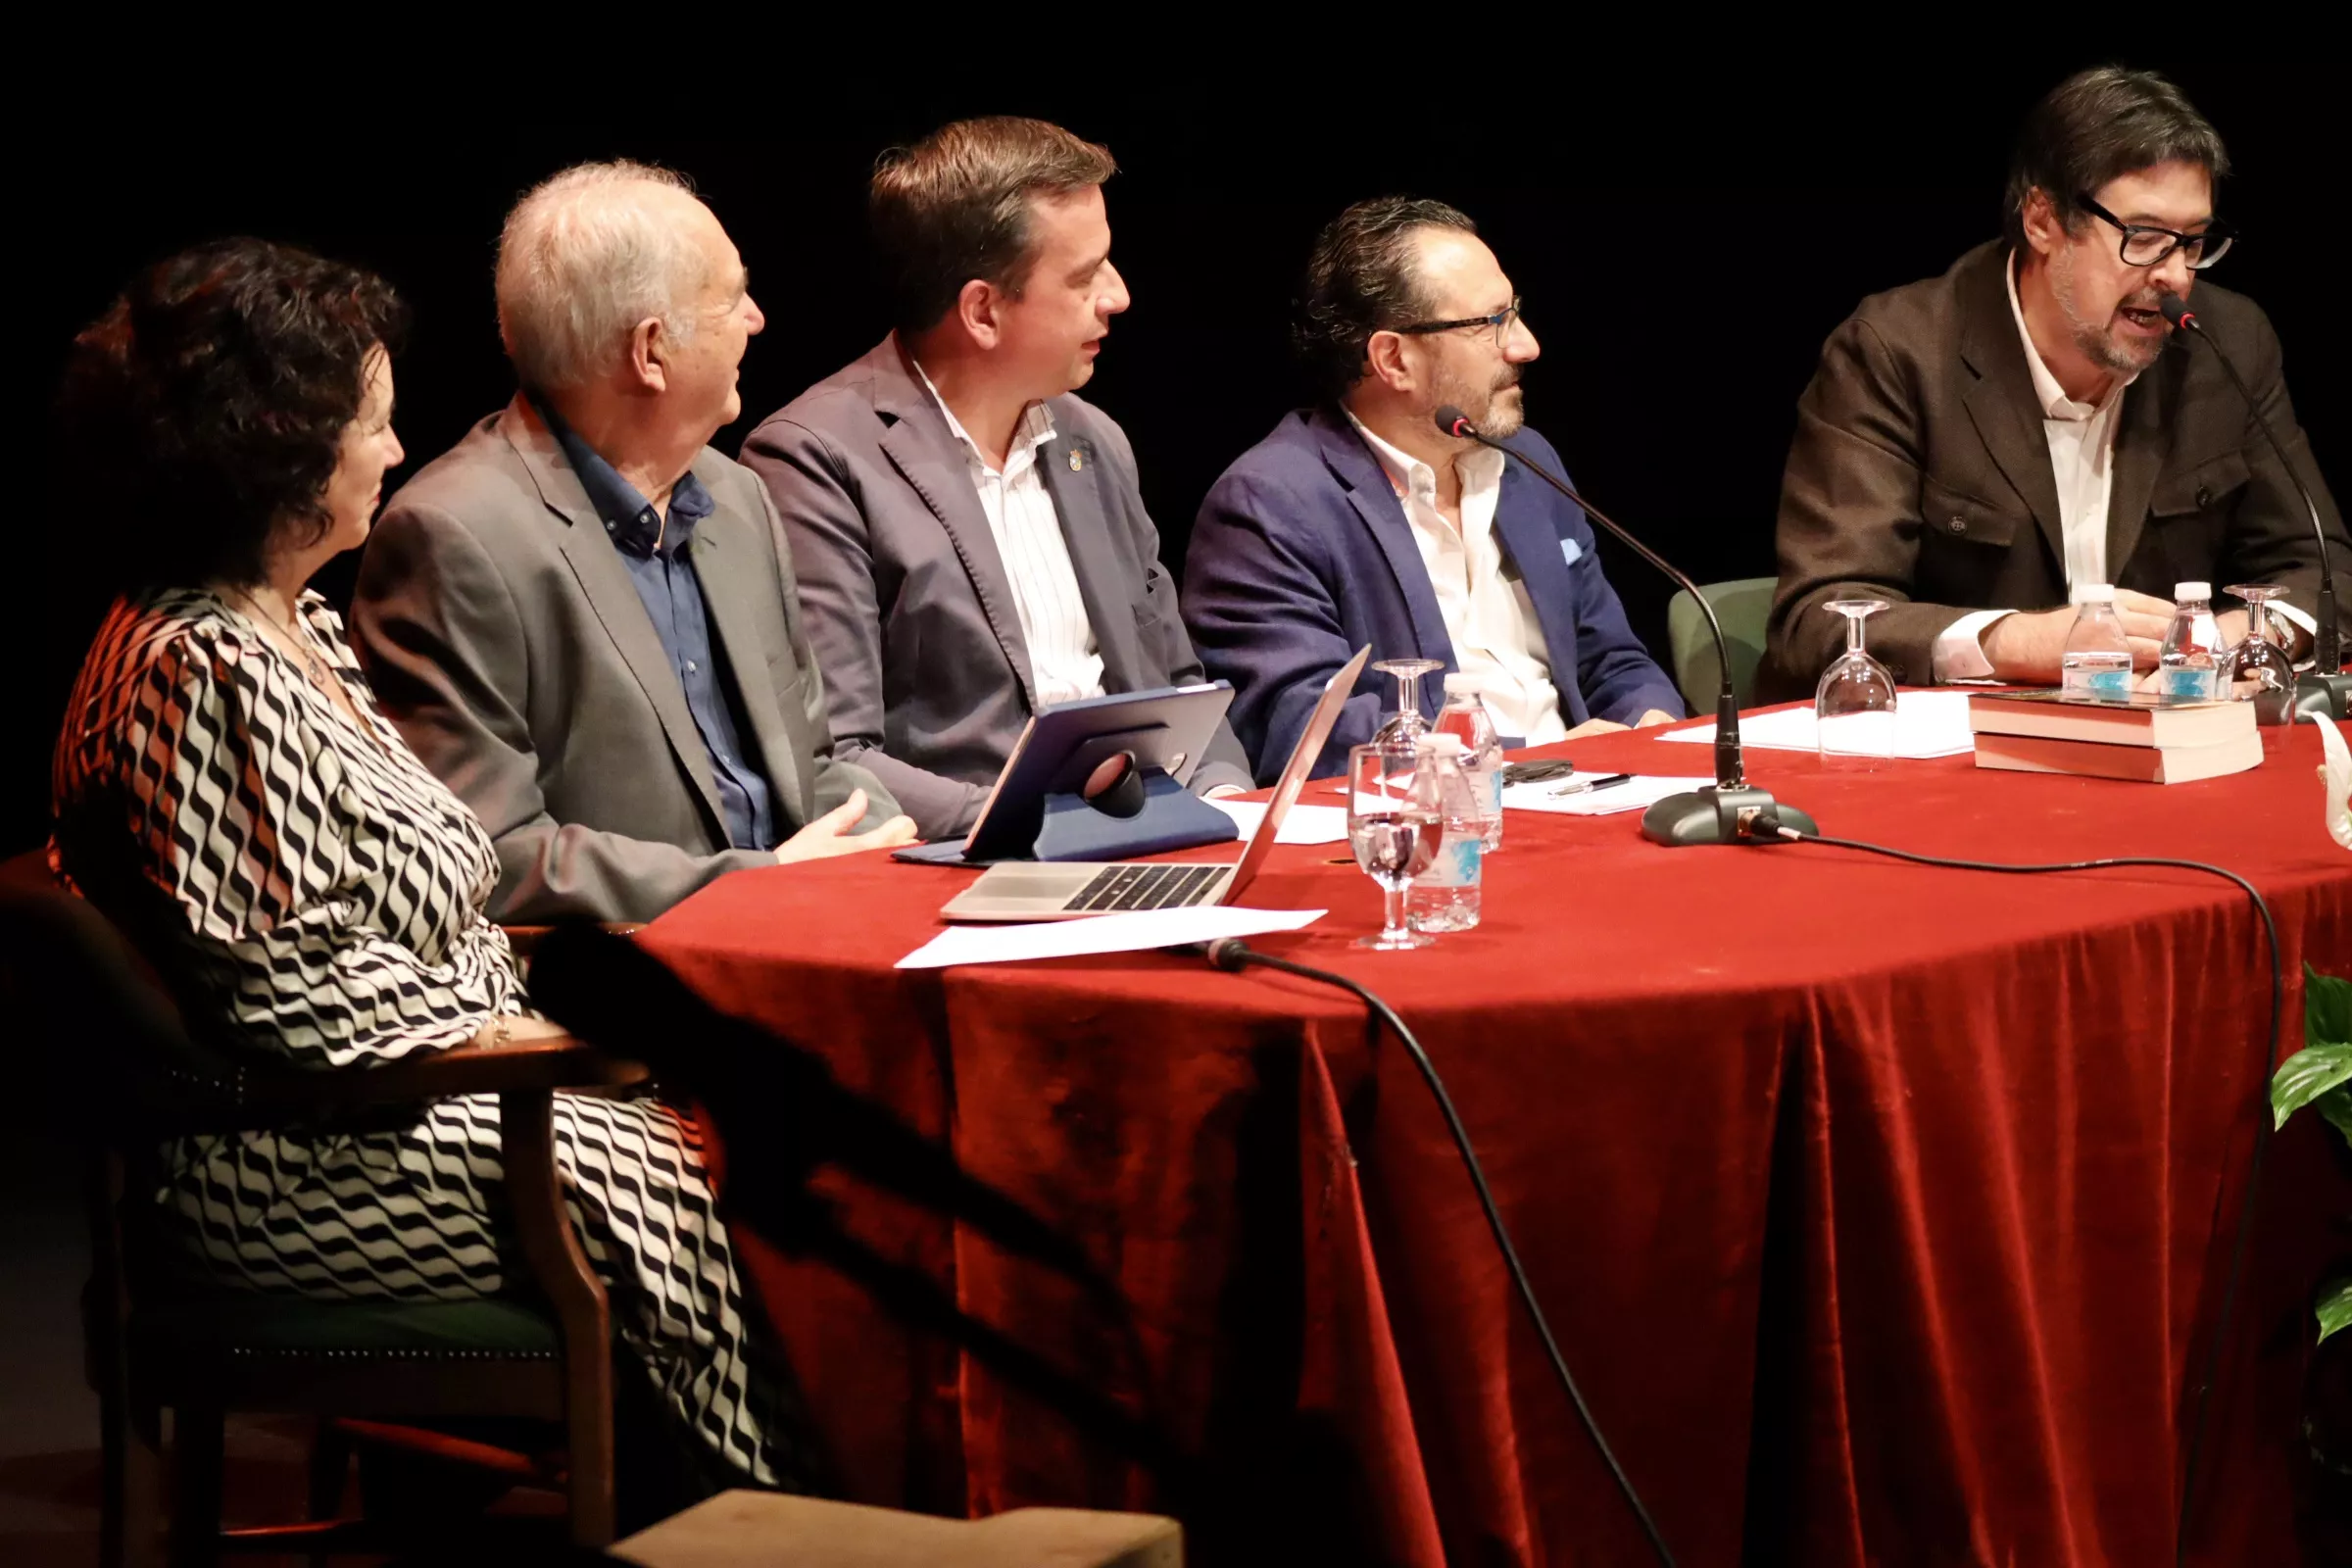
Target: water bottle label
(1457,865)
(2105,683)
(2186,683)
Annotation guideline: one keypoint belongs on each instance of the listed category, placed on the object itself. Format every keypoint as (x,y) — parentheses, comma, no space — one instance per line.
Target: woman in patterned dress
(225,790)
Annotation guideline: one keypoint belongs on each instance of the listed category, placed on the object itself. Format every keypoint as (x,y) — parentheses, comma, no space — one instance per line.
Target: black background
(1683,236)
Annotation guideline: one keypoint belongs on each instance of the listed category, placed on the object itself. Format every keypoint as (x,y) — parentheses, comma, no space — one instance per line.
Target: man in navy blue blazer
(1358,522)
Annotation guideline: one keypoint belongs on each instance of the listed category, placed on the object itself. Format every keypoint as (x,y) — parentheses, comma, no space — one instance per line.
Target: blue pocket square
(1571,552)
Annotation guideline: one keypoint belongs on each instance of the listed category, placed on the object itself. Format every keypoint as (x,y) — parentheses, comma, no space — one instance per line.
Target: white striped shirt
(1064,660)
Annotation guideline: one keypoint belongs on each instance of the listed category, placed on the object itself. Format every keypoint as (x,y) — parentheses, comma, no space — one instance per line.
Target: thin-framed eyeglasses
(2146,245)
(1500,321)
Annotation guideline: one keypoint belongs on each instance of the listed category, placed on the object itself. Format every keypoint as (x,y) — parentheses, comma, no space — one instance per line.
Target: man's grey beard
(1504,415)
(2094,340)
(1501,418)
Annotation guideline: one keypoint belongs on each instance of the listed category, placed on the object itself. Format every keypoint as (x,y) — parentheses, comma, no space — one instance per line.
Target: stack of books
(2144,736)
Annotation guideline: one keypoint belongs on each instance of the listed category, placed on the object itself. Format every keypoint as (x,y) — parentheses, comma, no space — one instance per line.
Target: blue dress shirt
(654,553)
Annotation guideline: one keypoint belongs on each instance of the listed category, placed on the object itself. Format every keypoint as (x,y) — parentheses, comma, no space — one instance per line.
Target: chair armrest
(551,1062)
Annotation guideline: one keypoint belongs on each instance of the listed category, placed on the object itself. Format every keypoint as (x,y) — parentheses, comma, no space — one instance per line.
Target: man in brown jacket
(1975,445)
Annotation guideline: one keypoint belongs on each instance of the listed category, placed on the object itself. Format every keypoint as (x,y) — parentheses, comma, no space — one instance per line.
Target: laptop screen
(1335,692)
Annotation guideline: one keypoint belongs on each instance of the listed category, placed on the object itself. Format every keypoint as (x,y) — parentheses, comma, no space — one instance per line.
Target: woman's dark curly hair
(206,408)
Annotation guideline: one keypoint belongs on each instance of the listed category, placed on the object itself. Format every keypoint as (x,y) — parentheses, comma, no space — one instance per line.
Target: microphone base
(2321,696)
(1714,815)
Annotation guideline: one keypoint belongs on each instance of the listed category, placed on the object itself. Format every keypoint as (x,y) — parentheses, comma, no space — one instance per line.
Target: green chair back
(1743,605)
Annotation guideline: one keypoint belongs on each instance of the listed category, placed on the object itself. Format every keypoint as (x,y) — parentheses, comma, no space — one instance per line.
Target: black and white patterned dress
(313,890)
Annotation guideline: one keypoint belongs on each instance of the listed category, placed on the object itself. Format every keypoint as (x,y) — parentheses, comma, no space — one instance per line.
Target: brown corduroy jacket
(1920,474)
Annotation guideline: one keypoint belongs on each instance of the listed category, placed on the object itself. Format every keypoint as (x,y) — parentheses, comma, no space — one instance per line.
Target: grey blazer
(503,637)
(908,600)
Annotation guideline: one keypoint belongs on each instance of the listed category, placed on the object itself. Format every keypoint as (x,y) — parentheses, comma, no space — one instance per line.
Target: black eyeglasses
(2143,246)
(1500,321)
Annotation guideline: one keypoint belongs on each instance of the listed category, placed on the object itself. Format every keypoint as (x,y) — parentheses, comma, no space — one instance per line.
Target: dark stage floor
(48,1416)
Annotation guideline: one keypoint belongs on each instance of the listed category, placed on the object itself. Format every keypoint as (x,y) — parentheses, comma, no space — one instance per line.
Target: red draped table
(1873,1203)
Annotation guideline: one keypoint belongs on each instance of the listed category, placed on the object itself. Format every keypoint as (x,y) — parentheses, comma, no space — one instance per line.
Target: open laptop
(1067,890)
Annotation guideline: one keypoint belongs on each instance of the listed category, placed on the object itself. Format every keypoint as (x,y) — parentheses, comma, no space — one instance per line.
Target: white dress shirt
(1064,660)
(1498,642)
(2081,443)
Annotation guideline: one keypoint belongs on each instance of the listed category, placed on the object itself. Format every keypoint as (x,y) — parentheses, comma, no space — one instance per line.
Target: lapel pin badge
(1077,459)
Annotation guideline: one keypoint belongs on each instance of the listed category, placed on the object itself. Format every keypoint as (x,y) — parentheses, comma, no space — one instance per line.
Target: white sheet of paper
(1136,931)
(1926,724)
(1301,824)
(1631,796)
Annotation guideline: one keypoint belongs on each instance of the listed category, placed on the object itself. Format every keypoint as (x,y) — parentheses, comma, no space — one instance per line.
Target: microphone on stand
(2327,691)
(1731,811)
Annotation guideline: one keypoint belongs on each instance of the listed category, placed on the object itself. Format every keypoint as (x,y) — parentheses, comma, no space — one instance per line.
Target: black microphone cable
(1233,955)
(2262,1129)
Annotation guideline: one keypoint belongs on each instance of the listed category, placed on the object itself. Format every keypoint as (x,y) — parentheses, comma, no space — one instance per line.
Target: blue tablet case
(1037,812)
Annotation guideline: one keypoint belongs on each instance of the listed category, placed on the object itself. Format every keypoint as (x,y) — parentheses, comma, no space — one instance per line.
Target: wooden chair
(159,1338)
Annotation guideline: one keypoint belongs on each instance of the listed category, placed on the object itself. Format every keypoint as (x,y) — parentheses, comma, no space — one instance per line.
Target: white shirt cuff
(1959,652)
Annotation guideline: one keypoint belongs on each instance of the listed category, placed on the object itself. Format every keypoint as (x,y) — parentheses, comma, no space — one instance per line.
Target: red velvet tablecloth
(1873,1203)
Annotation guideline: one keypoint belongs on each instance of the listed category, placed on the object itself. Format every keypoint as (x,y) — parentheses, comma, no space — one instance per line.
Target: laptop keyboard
(1145,887)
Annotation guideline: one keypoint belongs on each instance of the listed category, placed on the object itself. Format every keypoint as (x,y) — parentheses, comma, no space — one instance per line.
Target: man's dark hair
(1362,278)
(955,207)
(2097,124)
(206,407)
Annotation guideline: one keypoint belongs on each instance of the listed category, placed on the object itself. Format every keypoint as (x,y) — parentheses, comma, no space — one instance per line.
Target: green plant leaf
(2335,1306)
(2336,1105)
(2327,1008)
(2307,1075)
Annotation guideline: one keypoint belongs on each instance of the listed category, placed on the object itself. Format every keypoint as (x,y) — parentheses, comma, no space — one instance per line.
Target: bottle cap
(1458,684)
(2192,590)
(2094,593)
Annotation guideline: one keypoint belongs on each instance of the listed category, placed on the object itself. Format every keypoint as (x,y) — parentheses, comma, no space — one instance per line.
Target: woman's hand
(509,1027)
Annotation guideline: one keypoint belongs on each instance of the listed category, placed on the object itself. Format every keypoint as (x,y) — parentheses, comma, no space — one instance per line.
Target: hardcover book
(2147,764)
(2140,719)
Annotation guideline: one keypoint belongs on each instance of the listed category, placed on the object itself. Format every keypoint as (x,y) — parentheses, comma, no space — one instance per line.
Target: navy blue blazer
(1303,554)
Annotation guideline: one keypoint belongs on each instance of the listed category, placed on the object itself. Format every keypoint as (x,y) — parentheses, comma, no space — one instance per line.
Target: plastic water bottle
(2097,661)
(1465,716)
(2186,670)
(1445,897)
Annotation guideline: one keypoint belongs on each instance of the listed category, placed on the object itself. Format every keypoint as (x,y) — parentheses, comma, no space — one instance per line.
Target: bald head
(588,255)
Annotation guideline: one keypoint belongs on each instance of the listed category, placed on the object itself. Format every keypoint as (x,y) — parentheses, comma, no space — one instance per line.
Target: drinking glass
(1405,725)
(1393,825)
(1853,707)
(2257,669)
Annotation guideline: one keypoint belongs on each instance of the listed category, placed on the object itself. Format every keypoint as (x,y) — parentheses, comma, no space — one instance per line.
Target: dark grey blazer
(908,603)
(503,634)
(1920,474)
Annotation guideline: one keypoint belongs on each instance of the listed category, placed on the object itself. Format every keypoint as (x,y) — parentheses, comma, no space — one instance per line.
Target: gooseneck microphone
(2325,691)
(1731,811)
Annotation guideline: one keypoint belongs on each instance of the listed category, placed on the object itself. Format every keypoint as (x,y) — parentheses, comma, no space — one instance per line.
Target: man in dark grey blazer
(1975,446)
(971,540)
(583,618)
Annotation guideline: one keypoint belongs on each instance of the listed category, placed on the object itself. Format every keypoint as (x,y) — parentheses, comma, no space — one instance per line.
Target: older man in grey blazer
(970,538)
(583,618)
